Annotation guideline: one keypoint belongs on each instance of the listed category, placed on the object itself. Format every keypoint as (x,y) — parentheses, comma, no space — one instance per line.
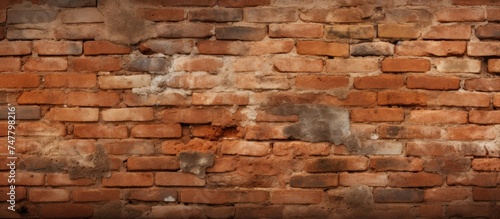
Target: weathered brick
(321,82)
(222,165)
(240,33)
(156,131)
(100,131)
(396,164)
(22,112)
(201,63)
(149,64)
(494,65)
(296,30)
(275,211)
(402,98)
(483,49)
(41,129)
(484,117)
(94,64)
(403,15)
(46,47)
(297,148)
(46,64)
(399,31)
(383,81)
(421,179)
(350,32)
(377,115)
(472,99)
(447,165)
(128,147)
(167,47)
(104,48)
(128,114)
(475,2)
(58,179)
(26,34)
(65,210)
(265,131)
(30,15)
(294,196)
(454,65)
(483,84)
(245,48)
(174,147)
(430,48)
(486,164)
(488,31)
(314,181)
(19,80)
(72,3)
(96,195)
(161,99)
(176,211)
(446,194)
(192,30)
(189,81)
(209,196)
(48,195)
(73,114)
(124,82)
(246,148)
(251,82)
(322,48)
(220,99)
(216,14)
(150,195)
(338,164)
(443,149)
(472,179)
(93,99)
(352,65)
(374,147)
(15,48)
(471,132)
(341,15)
(10,64)
(405,65)
(81,15)
(270,15)
(242,4)
(42,97)
(298,65)
(452,32)
(398,195)
(188,2)
(436,116)
(162,14)
(432,82)
(79,32)
(368,179)
(460,14)
(409,131)
(119,179)
(178,179)
(373,49)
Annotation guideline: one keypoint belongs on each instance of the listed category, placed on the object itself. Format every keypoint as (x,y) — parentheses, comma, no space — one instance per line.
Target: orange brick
(152,163)
(48,195)
(223,164)
(472,179)
(220,99)
(484,117)
(298,65)
(486,164)
(383,81)
(460,14)
(188,3)
(295,30)
(322,48)
(432,82)
(96,195)
(321,82)
(58,179)
(453,32)
(10,64)
(447,164)
(459,99)
(405,65)
(270,15)
(19,80)
(471,132)
(396,164)
(93,99)
(493,14)
(73,114)
(46,64)
(483,48)
(41,129)
(314,180)
(409,131)
(446,194)
(15,48)
(415,179)
(297,148)
(162,14)
(45,47)
(71,80)
(104,48)
(494,65)
(399,31)
(152,194)
(173,147)
(352,65)
(350,31)
(430,48)
(436,116)
(66,211)
(25,179)
(128,114)
(265,131)
(190,64)
(368,179)
(294,196)
(401,98)
(341,15)
(119,179)
(95,64)
(246,148)
(178,179)
(338,164)
(156,131)
(100,131)
(377,115)
(209,196)
(496,100)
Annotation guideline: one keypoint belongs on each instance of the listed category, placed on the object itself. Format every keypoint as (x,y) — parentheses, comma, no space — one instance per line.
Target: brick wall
(251,109)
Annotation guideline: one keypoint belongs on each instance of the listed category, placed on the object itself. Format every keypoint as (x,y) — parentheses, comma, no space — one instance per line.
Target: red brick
(436,116)
(270,15)
(128,114)
(321,82)
(46,64)
(399,31)
(208,64)
(352,65)
(472,179)
(40,129)
(48,195)
(58,179)
(453,65)
(383,81)
(396,164)
(338,164)
(73,114)
(216,14)
(66,211)
(124,82)
(341,15)
(298,65)
(459,99)
(488,31)
(405,65)
(444,149)
(409,131)
(178,179)
(471,132)
(446,194)
(100,131)
(165,98)
(220,99)
(206,196)
(298,148)
(294,196)
(154,194)
(368,179)
(173,147)
(265,131)
(274,211)
(25,179)
(15,48)
(251,82)
(377,115)
(45,47)
(104,48)
(156,131)
(81,15)
(460,14)
(415,179)
(486,164)
(401,98)
(494,65)
(93,99)
(430,48)
(167,47)
(295,30)
(70,80)
(398,195)
(188,3)
(193,115)
(152,163)
(468,210)
(121,179)
(19,80)
(95,64)
(314,181)
(322,48)
(483,48)
(96,195)
(10,64)
(79,32)
(350,32)
(222,165)
(245,148)
(485,194)
(191,30)
(243,4)
(264,116)
(162,14)
(432,82)
(493,14)
(496,100)
(484,117)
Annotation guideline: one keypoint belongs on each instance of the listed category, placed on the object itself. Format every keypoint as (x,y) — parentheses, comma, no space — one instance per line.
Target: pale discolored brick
(124,82)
